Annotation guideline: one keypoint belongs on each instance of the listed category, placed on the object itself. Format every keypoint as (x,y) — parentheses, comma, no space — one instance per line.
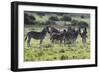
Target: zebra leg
(60,42)
(41,43)
(73,41)
(64,42)
(84,42)
(52,41)
(28,42)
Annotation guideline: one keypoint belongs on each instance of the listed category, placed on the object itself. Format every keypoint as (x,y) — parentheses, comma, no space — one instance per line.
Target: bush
(82,16)
(74,23)
(41,14)
(40,23)
(50,22)
(83,24)
(66,18)
(29,19)
(80,24)
(54,18)
(32,17)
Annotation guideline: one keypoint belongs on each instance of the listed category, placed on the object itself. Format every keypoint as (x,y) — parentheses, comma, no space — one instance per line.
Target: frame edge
(14,34)
(14,38)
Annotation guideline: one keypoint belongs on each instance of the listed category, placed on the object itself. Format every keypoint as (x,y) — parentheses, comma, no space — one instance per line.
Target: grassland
(55,51)
(49,51)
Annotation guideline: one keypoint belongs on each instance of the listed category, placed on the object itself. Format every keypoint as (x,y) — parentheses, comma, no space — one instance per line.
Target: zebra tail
(25,38)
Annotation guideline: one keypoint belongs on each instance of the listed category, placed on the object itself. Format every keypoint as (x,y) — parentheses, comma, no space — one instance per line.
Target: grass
(50,52)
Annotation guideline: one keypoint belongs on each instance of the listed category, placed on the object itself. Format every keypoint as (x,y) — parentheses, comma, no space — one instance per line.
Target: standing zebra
(36,35)
(71,35)
(84,36)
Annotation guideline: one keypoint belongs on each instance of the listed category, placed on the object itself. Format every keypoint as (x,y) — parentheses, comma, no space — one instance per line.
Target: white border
(22,64)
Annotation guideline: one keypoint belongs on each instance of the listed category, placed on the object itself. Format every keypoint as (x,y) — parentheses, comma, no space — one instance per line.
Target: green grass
(49,51)
(56,51)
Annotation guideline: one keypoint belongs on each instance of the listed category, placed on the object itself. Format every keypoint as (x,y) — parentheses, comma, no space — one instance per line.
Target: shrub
(83,24)
(74,23)
(54,18)
(29,19)
(66,18)
(50,22)
(41,14)
(82,16)
(32,17)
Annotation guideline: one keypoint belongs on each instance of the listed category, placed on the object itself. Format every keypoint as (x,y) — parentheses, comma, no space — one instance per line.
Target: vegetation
(66,18)
(56,51)
(53,18)
(29,19)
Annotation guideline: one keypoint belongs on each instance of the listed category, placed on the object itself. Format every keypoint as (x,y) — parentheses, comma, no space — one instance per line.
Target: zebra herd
(68,36)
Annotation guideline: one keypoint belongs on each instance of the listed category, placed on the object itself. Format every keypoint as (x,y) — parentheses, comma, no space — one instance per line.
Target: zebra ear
(64,30)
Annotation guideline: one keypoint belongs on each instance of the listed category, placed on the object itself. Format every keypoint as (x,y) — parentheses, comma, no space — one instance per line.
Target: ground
(49,51)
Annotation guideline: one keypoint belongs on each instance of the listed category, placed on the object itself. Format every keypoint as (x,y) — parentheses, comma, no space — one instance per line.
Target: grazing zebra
(58,36)
(71,35)
(36,35)
(54,30)
(84,36)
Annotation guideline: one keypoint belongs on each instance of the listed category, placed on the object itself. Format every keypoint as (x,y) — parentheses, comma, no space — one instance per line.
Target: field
(56,51)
